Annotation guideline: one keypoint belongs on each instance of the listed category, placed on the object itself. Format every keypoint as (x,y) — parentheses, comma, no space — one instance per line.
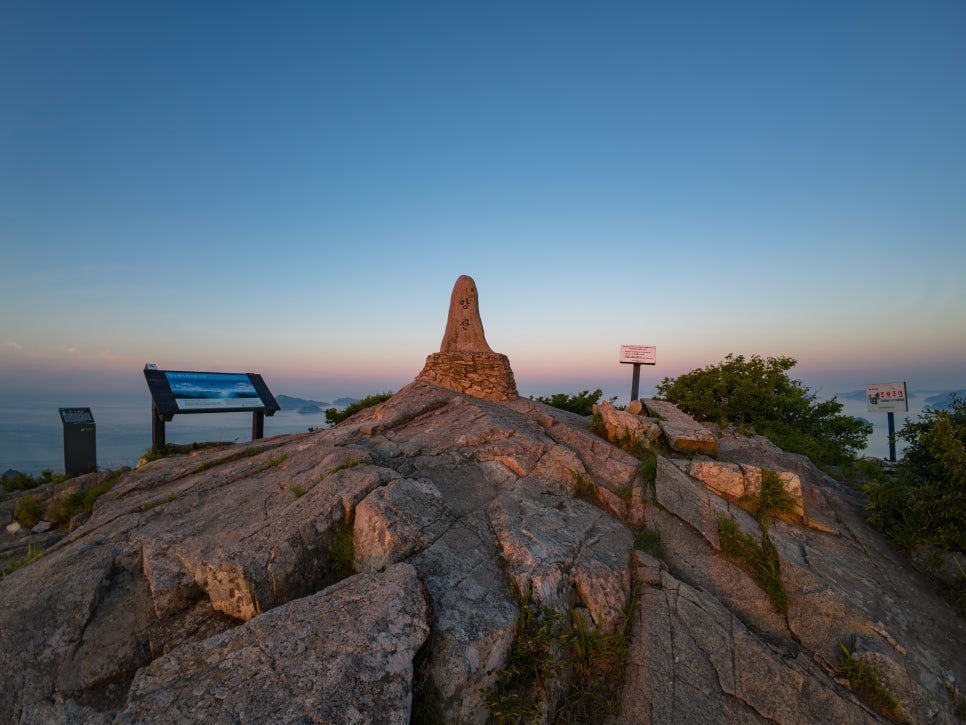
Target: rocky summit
(384,571)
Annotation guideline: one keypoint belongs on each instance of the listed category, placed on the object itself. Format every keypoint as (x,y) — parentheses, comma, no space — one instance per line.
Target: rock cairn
(465,362)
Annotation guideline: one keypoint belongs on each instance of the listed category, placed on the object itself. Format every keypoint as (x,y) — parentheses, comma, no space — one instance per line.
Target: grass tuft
(531,664)
(772,499)
(866,680)
(28,511)
(19,562)
(342,555)
(759,558)
(649,540)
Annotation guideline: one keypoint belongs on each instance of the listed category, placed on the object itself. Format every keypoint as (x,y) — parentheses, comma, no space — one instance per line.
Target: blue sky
(293,188)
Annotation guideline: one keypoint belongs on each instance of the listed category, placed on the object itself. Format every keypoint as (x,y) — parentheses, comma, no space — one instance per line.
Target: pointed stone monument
(465,362)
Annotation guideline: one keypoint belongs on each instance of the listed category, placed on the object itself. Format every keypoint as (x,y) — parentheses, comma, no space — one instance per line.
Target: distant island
(304,406)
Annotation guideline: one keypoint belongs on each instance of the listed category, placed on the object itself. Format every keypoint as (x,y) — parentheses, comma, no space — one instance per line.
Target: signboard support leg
(892,436)
(635,381)
(258,425)
(157,430)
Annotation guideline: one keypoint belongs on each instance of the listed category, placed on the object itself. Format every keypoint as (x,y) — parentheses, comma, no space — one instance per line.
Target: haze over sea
(31,433)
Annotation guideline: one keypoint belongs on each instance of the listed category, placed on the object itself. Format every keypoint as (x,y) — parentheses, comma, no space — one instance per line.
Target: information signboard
(174,392)
(179,391)
(887,398)
(639,354)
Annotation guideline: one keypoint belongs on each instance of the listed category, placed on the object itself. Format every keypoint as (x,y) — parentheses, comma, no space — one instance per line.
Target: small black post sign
(176,392)
(637,355)
(80,441)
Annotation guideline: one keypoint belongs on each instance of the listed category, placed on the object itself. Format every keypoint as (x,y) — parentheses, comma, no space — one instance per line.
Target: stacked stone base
(484,375)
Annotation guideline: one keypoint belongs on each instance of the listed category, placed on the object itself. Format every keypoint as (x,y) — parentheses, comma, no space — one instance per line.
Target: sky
(293,189)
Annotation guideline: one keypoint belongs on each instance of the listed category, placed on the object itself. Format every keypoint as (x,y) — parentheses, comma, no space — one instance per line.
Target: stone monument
(465,362)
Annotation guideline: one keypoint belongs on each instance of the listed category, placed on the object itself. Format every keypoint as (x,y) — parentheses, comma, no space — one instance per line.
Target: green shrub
(925,503)
(582,403)
(334,416)
(758,392)
(25,482)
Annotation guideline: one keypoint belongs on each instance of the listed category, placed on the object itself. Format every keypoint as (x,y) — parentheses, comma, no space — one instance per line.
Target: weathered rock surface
(624,426)
(681,431)
(205,588)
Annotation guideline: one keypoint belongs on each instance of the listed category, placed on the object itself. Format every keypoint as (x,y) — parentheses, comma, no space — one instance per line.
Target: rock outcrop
(211,588)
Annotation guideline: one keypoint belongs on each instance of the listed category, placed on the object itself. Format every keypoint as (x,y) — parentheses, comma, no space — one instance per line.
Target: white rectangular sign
(639,354)
(887,398)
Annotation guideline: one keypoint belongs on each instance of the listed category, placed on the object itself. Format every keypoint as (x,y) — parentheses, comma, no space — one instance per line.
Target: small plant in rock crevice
(342,554)
(237,456)
(170,498)
(649,540)
(584,487)
(277,460)
(771,499)
(648,470)
(19,562)
(531,663)
(340,467)
(597,660)
(28,511)
(866,680)
(760,558)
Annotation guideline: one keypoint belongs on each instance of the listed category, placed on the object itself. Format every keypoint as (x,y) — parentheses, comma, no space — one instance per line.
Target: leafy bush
(25,482)
(925,503)
(757,392)
(582,403)
(333,416)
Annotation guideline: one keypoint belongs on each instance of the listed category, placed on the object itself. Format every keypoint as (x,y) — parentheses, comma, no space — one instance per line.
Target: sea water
(32,435)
